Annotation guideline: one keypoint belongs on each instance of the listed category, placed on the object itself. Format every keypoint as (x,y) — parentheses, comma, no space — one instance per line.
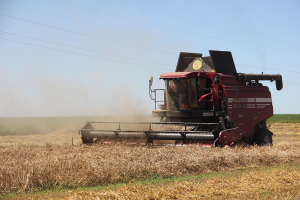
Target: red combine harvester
(205,101)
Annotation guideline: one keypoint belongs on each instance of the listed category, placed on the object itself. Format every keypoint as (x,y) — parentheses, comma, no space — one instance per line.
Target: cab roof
(192,74)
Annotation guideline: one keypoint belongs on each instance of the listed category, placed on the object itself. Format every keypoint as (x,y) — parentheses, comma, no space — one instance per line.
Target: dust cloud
(41,95)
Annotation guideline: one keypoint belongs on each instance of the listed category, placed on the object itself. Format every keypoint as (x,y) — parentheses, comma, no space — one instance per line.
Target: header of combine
(205,101)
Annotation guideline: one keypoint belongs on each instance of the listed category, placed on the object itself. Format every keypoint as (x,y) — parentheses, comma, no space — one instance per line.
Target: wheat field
(39,162)
(27,168)
(252,184)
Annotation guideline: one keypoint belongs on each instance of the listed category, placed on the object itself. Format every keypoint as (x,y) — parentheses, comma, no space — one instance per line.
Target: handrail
(154,98)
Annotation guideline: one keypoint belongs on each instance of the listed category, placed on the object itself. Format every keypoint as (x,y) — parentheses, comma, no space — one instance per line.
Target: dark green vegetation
(284,118)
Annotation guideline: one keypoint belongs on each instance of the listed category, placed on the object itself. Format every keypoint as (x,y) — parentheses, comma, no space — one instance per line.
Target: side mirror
(150,81)
(279,84)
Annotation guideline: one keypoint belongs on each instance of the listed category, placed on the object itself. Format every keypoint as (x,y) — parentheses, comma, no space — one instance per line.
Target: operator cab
(184,94)
(188,90)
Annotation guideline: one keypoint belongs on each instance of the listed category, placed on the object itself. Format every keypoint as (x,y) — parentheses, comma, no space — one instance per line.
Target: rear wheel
(263,137)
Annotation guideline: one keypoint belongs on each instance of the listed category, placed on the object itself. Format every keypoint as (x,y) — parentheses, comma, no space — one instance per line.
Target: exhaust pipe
(256,77)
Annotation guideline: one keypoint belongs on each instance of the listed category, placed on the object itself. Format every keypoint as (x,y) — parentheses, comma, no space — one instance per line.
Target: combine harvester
(205,101)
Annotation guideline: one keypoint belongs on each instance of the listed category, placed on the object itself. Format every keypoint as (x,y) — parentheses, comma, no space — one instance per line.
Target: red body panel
(247,106)
(228,80)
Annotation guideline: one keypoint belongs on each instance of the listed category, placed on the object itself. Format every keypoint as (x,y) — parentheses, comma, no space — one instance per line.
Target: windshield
(181,94)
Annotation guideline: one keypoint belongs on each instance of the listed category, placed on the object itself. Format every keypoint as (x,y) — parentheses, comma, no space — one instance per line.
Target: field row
(44,125)
(274,183)
(283,134)
(27,168)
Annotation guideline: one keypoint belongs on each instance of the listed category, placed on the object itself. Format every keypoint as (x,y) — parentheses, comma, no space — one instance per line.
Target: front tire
(86,140)
(263,137)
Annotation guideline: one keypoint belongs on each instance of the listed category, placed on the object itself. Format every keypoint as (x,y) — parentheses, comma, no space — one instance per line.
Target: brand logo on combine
(197,64)
(240,100)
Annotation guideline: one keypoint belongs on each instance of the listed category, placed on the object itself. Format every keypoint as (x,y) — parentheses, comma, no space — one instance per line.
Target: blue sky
(77,58)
